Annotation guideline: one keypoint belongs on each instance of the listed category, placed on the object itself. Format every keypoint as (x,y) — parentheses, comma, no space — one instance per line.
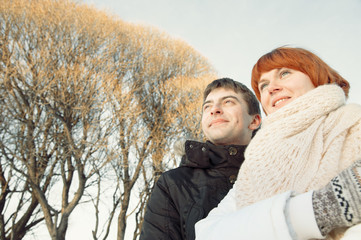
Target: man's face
(225,118)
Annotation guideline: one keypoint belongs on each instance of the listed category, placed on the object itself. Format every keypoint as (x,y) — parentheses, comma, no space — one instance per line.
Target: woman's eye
(284,73)
(262,86)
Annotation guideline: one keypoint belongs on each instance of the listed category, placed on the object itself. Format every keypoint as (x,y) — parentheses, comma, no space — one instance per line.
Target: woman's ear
(256,122)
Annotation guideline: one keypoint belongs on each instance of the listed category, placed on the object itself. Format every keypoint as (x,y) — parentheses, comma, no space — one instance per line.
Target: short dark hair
(237,87)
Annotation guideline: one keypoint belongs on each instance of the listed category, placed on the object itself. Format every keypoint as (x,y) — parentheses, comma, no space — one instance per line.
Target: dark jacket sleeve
(162,219)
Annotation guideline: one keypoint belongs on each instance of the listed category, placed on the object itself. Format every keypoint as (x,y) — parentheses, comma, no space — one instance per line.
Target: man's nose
(216,109)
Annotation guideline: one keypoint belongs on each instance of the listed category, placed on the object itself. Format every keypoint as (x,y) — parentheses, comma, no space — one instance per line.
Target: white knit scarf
(301,146)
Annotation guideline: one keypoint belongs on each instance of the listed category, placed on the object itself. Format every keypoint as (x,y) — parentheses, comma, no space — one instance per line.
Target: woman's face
(281,86)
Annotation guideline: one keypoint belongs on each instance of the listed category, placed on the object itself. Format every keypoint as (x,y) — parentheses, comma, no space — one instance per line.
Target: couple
(309,136)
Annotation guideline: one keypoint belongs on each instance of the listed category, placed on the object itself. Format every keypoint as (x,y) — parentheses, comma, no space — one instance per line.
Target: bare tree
(90,107)
(146,113)
(54,128)
(157,100)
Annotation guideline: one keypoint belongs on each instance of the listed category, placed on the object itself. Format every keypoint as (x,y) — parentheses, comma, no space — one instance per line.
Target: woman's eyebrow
(261,80)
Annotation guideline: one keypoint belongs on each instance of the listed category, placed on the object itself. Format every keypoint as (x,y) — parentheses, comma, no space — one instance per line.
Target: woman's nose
(274,87)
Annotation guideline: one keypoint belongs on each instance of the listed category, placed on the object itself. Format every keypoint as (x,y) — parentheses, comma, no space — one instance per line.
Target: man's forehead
(222,92)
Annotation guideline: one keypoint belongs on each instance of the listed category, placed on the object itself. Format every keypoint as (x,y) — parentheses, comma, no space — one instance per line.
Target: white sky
(233,34)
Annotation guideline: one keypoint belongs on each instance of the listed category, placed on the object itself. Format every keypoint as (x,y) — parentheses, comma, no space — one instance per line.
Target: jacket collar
(208,155)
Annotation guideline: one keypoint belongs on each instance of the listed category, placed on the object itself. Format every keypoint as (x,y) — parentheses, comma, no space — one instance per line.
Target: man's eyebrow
(209,101)
(231,96)
(223,98)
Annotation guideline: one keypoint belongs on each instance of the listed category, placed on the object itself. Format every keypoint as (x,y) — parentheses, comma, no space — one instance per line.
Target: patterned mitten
(338,204)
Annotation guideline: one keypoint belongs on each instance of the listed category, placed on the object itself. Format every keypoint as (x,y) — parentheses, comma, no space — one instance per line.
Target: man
(185,195)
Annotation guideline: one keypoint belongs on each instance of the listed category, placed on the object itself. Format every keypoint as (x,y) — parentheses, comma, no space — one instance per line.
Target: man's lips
(217,121)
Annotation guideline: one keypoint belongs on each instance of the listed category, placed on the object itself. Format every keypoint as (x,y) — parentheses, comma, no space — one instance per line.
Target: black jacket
(185,195)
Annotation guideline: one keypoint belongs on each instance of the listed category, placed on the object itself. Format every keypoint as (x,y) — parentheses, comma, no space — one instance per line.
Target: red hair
(301,60)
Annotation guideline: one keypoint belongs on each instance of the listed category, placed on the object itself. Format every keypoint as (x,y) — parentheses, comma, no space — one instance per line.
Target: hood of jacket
(208,155)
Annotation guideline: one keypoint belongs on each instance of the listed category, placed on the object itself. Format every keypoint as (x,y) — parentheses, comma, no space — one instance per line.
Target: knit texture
(339,203)
(301,146)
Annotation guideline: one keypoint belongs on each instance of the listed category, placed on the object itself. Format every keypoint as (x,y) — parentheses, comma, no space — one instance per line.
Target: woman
(309,135)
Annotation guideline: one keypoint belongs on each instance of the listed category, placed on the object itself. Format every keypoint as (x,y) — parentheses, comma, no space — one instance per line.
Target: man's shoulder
(178,171)
(180,175)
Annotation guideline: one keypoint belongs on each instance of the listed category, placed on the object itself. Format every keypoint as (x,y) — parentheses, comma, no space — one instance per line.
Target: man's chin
(219,141)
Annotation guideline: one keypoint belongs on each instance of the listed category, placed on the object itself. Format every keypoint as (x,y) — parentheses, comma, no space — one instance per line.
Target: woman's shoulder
(349,114)
(352,107)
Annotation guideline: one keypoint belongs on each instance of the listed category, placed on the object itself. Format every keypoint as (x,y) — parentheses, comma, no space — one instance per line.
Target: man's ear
(256,122)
